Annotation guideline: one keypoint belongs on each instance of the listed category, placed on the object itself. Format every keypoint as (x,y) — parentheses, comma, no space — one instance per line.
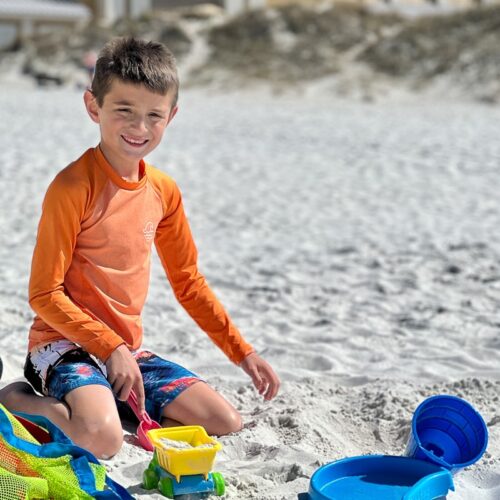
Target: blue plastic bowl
(380,477)
(448,431)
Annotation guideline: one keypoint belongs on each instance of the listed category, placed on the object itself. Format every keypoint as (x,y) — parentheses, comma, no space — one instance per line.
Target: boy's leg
(20,396)
(95,423)
(176,396)
(78,398)
(199,404)
(88,414)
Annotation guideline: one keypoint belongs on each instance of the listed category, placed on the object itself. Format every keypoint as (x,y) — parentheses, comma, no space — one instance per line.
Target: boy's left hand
(263,376)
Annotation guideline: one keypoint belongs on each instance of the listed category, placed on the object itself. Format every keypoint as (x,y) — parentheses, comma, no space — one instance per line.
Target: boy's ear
(91,106)
(172,113)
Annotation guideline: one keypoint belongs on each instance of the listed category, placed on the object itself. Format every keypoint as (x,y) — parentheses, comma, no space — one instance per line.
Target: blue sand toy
(447,434)
(380,477)
(447,431)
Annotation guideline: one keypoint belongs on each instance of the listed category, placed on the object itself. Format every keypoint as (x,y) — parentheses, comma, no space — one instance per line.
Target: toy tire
(220,486)
(166,487)
(149,480)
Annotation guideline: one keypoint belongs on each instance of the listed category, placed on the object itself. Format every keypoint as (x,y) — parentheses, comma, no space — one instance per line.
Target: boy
(90,272)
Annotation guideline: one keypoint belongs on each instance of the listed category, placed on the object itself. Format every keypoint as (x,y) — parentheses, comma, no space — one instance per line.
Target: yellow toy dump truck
(182,460)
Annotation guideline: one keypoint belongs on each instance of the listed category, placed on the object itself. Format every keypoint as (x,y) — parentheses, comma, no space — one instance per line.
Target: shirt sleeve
(179,255)
(62,212)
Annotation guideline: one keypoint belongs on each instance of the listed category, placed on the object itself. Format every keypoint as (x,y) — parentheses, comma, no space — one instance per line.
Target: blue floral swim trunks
(57,368)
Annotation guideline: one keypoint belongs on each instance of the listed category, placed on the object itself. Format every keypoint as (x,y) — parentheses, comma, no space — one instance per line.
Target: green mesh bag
(50,467)
(15,487)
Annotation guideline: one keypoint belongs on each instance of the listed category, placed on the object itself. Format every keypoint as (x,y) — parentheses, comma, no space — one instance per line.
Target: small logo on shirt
(149,231)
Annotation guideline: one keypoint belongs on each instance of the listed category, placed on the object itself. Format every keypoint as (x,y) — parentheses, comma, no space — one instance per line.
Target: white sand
(357,246)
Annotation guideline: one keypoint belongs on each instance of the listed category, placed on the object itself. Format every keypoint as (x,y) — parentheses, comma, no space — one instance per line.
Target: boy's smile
(134,142)
(132,120)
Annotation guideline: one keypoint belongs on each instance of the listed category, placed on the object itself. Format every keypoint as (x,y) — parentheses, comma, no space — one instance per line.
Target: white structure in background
(22,18)
(107,12)
(234,7)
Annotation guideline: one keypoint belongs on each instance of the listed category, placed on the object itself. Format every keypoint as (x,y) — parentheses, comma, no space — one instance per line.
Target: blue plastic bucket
(447,431)
(380,477)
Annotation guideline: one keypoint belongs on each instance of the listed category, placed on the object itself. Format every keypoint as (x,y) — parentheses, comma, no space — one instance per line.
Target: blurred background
(362,48)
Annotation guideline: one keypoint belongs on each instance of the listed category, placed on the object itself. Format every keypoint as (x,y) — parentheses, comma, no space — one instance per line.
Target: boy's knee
(103,438)
(228,423)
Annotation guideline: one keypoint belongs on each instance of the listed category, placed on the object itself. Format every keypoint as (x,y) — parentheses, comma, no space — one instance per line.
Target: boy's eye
(156,116)
(123,110)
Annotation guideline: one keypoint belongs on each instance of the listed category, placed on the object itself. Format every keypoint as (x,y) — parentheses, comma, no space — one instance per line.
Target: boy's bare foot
(12,395)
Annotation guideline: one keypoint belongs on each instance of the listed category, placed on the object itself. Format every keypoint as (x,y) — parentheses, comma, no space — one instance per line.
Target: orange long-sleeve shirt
(90,268)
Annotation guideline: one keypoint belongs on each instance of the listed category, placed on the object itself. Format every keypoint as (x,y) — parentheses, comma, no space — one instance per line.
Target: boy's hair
(135,61)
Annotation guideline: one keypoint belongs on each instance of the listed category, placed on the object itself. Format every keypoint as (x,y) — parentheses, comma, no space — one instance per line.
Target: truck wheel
(166,487)
(149,479)
(220,486)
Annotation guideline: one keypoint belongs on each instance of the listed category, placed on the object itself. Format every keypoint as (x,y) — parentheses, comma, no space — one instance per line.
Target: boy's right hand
(124,375)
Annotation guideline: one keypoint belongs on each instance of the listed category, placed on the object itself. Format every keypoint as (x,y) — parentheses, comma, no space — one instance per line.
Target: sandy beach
(356,245)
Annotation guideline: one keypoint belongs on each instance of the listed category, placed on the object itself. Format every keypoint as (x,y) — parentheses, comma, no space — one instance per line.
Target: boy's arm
(63,210)
(179,256)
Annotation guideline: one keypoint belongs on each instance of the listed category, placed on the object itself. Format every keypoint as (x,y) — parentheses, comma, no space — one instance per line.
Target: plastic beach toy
(380,477)
(448,431)
(183,470)
(145,423)
(183,462)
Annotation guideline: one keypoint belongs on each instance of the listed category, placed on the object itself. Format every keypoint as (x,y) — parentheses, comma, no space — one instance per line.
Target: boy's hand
(124,375)
(263,376)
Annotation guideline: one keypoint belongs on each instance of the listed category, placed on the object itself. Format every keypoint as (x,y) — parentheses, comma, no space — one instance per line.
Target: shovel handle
(132,401)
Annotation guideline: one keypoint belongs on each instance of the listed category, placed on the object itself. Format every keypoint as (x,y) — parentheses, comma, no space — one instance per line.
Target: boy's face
(132,120)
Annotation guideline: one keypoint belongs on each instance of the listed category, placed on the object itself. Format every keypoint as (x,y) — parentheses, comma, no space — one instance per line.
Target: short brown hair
(135,61)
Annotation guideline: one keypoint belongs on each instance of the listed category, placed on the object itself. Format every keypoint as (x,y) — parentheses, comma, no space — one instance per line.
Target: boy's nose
(139,124)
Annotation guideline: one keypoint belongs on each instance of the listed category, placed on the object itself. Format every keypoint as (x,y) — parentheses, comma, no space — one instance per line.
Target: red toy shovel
(145,423)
